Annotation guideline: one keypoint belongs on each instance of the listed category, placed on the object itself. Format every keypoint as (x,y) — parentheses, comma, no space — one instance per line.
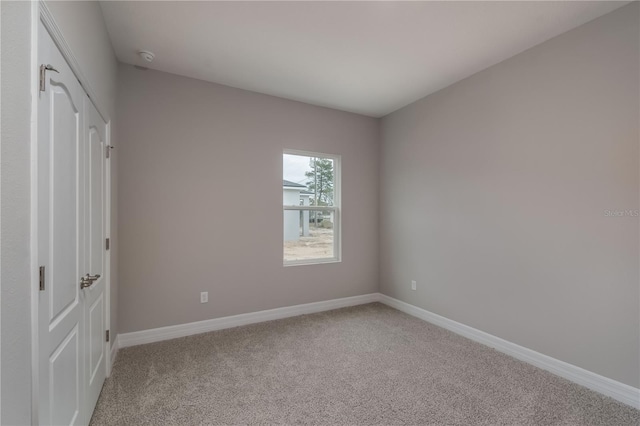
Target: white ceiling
(365,57)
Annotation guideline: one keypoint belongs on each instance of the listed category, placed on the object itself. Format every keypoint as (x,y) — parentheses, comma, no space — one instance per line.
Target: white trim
(306,262)
(107,253)
(336,208)
(33,226)
(311,208)
(609,387)
(114,351)
(175,331)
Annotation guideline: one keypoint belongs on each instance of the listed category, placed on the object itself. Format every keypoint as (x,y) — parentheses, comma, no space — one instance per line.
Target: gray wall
(201,198)
(85,31)
(15,297)
(493,194)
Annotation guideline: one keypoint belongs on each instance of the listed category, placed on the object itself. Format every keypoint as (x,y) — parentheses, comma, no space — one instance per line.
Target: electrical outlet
(204,297)
(414,285)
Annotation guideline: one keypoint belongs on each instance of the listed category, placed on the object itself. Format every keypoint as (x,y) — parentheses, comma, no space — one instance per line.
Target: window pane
(308,235)
(309,178)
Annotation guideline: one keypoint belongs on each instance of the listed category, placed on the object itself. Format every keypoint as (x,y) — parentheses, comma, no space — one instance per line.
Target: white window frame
(336,209)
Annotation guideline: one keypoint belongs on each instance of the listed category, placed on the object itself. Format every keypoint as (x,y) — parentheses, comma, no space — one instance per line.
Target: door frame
(41,13)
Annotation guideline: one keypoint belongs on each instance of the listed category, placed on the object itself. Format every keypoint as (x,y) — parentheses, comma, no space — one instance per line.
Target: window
(311,207)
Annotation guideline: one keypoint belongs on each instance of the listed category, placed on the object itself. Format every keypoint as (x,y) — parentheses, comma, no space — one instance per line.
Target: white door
(60,241)
(95,131)
(71,244)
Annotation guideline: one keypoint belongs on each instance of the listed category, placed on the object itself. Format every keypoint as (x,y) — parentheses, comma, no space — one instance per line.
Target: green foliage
(320,181)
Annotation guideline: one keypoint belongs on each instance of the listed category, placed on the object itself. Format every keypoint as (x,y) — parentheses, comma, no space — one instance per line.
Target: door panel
(64,370)
(95,130)
(96,345)
(63,200)
(96,195)
(60,238)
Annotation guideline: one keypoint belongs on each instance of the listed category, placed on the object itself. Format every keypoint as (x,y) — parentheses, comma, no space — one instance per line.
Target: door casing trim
(41,13)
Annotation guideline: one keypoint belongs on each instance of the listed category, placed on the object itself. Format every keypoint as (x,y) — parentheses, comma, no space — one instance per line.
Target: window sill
(310,262)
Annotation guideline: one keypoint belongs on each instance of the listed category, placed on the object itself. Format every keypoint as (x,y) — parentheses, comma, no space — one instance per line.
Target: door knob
(93,277)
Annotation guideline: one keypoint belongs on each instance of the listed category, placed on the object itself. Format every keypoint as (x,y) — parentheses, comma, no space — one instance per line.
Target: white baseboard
(616,390)
(609,387)
(113,354)
(175,331)
(114,350)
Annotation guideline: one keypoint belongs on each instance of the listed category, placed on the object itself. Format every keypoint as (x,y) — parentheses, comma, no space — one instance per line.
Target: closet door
(61,236)
(95,133)
(72,304)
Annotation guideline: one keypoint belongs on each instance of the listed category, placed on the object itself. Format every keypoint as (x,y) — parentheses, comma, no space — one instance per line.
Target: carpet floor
(365,365)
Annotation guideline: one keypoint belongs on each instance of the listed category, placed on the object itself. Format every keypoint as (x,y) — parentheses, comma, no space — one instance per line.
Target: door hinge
(42,278)
(107,244)
(107,335)
(43,75)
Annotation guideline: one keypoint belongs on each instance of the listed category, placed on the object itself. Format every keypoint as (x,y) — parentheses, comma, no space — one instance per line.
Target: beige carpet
(356,366)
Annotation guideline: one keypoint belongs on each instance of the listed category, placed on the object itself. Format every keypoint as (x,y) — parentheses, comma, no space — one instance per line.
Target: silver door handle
(87,280)
(49,67)
(43,70)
